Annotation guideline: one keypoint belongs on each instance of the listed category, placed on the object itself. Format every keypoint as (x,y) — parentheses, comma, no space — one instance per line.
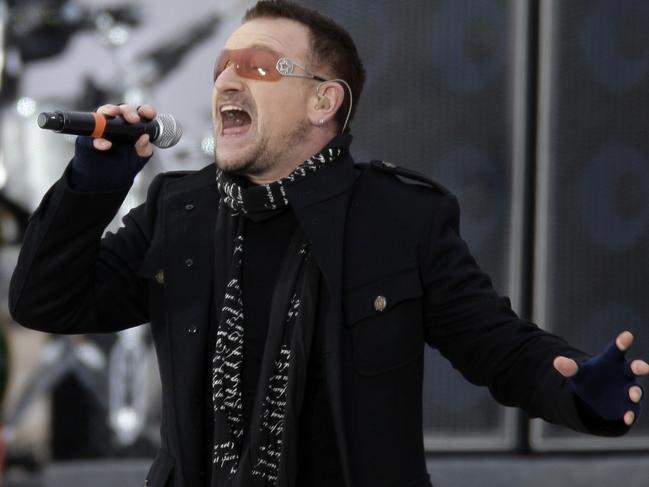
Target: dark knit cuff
(95,170)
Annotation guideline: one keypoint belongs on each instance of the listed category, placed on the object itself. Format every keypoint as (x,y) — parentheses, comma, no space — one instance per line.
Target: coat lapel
(320,203)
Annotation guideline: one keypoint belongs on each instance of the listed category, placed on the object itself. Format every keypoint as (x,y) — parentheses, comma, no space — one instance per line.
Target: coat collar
(320,203)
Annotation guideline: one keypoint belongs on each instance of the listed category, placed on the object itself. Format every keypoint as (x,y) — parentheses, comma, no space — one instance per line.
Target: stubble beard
(265,154)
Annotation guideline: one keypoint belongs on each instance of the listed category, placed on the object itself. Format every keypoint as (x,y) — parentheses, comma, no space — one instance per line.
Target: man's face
(275,123)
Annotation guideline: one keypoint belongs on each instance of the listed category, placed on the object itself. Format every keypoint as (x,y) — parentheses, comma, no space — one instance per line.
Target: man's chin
(232,161)
(241,160)
(230,167)
(240,165)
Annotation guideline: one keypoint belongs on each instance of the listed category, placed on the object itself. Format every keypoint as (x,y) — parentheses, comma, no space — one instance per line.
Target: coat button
(189,207)
(192,330)
(160,276)
(189,262)
(380,303)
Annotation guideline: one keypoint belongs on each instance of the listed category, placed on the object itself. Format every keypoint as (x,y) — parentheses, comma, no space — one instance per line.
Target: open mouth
(235,120)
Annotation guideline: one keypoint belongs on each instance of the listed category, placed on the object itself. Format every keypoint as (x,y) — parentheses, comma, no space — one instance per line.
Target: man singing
(290,290)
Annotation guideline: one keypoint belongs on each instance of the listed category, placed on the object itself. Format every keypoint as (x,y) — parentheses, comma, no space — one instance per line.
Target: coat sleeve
(477,331)
(71,280)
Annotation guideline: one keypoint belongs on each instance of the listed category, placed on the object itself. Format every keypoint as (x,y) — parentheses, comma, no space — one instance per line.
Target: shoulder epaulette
(406,175)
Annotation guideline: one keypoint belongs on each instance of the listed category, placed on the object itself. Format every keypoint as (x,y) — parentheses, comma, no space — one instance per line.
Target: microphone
(163,130)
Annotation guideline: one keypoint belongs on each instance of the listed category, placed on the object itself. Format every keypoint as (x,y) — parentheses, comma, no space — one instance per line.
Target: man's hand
(598,377)
(143,146)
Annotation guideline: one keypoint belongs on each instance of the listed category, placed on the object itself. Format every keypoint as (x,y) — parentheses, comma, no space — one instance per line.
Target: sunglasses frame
(286,67)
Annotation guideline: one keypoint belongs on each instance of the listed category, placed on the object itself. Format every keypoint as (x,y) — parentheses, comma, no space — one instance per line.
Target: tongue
(235,122)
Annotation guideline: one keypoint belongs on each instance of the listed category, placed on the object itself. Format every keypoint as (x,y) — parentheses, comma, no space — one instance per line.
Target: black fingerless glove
(95,170)
(603,382)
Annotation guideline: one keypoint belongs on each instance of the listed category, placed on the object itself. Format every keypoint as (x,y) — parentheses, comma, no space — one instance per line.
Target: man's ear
(325,102)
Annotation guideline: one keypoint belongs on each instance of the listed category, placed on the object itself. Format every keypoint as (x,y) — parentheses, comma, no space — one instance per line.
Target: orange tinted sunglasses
(260,64)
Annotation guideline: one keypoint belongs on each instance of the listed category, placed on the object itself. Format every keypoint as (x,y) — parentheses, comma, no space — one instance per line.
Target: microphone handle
(83,123)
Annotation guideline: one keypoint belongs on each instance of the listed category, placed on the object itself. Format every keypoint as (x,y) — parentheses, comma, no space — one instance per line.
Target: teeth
(227,108)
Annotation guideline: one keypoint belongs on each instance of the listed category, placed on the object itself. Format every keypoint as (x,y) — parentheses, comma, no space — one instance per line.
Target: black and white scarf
(291,321)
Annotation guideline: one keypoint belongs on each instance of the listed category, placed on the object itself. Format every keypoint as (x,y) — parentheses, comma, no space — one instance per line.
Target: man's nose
(228,80)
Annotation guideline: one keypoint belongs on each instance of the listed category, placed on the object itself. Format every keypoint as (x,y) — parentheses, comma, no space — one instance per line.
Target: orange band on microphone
(100,125)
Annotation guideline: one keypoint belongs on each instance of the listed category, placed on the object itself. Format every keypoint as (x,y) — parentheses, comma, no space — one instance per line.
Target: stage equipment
(593,187)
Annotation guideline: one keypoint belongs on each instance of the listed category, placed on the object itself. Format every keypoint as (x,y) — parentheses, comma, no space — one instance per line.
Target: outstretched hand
(598,377)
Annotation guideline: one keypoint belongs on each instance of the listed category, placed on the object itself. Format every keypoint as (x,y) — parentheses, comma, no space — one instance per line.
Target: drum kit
(122,376)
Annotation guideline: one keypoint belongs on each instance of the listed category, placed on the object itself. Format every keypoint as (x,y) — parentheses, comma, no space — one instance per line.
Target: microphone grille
(170,131)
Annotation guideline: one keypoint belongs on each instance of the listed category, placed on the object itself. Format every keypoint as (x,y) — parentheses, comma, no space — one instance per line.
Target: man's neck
(274,174)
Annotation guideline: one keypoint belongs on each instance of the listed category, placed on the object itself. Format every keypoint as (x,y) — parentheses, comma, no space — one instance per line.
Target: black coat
(372,233)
